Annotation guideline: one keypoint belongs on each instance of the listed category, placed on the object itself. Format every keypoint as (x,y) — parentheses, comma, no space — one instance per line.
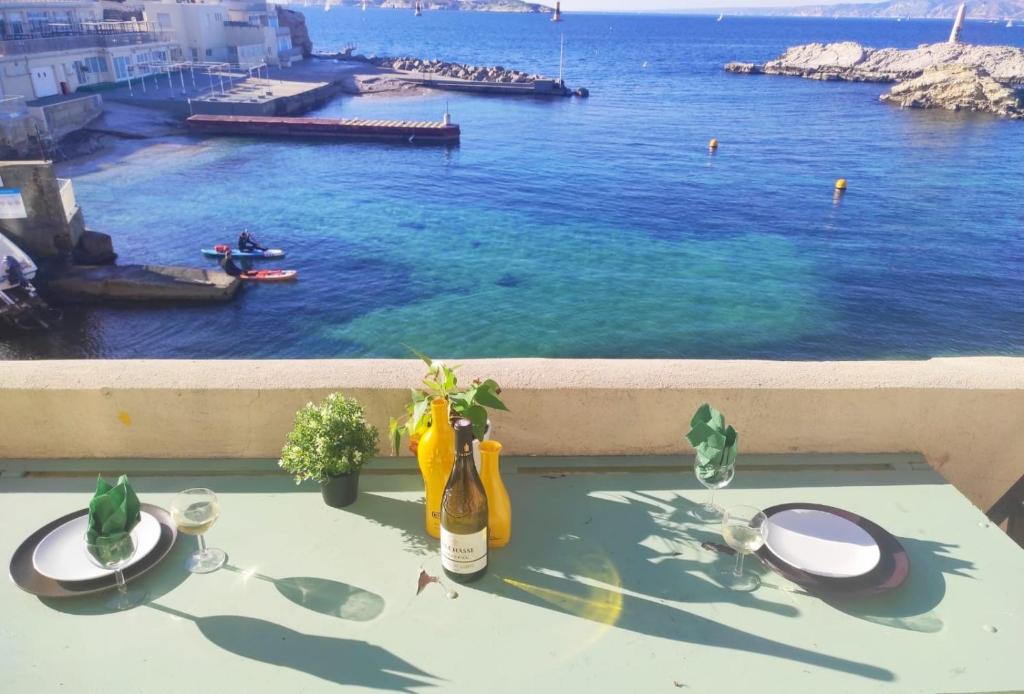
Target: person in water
(227,263)
(247,242)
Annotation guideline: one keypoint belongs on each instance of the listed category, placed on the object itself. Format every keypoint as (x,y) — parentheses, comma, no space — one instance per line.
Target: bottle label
(464,554)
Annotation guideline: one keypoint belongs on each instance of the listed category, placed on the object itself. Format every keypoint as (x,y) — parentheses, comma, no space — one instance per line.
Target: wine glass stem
(711,501)
(122,586)
(738,571)
(202,544)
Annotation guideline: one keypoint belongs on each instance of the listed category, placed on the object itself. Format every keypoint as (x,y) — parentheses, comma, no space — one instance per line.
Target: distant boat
(419,10)
(557,16)
(1009,24)
(364,5)
(720,17)
(327,5)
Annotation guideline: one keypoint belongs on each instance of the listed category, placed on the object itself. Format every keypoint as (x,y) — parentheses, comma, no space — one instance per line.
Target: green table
(604,588)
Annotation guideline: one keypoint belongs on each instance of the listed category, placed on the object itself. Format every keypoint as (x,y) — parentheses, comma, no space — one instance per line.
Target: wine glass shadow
(404,516)
(912,605)
(163,578)
(331,598)
(336,660)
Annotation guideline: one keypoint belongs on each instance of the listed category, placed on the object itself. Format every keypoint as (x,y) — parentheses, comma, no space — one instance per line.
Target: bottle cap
(463,436)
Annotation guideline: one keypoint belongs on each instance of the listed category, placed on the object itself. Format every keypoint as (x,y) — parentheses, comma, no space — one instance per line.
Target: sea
(598,227)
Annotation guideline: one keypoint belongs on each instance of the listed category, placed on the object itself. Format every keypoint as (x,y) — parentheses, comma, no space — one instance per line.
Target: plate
(62,555)
(822,543)
(890,572)
(24,575)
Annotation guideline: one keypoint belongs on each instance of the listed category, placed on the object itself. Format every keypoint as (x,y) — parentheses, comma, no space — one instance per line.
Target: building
(236,32)
(55,47)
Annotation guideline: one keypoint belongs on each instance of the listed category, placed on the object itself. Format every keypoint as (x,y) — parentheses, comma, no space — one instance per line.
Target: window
(219,17)
(195,54)
(284,43)
(121,67)
(164,20)
(209,52)
(95,65)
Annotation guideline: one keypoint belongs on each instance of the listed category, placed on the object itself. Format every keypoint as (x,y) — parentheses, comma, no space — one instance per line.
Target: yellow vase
(435,454)
(499,506)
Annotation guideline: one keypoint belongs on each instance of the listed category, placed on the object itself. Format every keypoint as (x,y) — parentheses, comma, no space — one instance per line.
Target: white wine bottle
(464,513)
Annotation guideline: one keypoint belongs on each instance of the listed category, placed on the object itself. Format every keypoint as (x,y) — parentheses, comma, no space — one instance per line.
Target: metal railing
(79,41)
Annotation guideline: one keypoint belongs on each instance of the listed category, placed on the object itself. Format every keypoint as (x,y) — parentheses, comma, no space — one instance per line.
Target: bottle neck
(439,414)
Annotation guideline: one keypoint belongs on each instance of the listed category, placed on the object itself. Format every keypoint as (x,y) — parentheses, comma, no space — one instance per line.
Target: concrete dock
(413,132)
(143,283)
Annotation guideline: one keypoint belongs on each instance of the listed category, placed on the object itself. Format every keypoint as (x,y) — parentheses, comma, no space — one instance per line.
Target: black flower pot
(340,491)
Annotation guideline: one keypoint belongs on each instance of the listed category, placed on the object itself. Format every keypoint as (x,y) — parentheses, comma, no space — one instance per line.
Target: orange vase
(435,454)
(499,506)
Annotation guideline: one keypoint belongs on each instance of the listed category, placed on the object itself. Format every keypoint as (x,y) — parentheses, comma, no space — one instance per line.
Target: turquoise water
(596,227)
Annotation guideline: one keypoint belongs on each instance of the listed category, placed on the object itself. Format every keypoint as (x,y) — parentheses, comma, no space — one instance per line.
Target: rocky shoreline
(951,76)
(438,68)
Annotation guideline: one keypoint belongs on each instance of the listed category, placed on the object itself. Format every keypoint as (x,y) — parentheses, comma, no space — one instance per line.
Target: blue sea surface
(592,228)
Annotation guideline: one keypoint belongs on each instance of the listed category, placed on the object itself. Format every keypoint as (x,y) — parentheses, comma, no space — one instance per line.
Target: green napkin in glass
(113,512)
(716,444)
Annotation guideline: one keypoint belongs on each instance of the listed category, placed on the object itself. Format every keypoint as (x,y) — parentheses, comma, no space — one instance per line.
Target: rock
(953,76)
(853,62)
(144,283)
(94,248)
(957,88)
(296,23)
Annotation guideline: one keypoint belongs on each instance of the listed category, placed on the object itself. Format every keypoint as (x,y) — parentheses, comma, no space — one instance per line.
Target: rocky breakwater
(950,76)
(472,73)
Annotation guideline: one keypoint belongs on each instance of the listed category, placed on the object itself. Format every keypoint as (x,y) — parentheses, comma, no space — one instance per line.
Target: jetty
(414,132)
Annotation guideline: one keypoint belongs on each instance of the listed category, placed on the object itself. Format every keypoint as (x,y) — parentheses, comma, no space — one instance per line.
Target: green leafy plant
(716,444)
(329,439)
(441,381)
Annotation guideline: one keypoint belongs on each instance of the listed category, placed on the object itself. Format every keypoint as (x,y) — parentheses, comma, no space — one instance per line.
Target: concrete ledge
(965,415)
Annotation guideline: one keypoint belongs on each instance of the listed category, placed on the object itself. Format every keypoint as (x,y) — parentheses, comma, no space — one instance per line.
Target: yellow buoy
(841,184)
(713,145)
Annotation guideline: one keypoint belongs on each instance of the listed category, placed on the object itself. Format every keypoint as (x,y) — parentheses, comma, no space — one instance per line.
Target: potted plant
(329,443)
(441,381)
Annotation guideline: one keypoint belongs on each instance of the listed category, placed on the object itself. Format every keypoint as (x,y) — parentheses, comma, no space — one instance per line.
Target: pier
(413,132)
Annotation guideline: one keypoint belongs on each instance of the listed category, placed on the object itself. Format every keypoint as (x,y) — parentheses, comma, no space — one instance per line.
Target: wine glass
(714,478)
(745,529)
(194,512)
(112,555)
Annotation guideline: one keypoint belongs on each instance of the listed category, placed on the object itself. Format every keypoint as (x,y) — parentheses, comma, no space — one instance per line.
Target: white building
(232,31)
(54,47)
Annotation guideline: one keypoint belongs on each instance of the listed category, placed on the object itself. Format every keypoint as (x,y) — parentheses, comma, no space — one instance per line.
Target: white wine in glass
(194,512)
(745,529)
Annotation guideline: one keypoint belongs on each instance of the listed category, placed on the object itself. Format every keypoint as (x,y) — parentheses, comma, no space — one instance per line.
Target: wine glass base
(744,582)
(207,561)
(706,513)
(127,600)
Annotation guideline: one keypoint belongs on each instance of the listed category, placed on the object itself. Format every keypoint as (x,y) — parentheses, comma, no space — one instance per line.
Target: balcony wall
(49,44)
(965,415)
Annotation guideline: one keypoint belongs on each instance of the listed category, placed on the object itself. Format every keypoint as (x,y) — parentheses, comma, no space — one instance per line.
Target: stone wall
(47,231)
(67,115)
(963,414)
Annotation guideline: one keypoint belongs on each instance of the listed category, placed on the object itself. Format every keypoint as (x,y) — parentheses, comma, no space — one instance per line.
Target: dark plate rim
(24,574)
(891,571)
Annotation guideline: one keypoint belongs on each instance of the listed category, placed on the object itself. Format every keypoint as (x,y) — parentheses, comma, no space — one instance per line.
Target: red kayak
(270,275)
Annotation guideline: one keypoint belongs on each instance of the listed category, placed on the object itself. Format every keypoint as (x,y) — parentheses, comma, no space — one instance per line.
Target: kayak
(218,252)
(270,275)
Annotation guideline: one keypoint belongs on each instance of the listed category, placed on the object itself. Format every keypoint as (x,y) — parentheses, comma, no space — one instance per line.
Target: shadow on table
(170,573)
(336,660)
(331,598)
(911,606)
(628,560)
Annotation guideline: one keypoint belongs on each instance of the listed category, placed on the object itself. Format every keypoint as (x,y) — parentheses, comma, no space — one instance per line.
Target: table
(604,588)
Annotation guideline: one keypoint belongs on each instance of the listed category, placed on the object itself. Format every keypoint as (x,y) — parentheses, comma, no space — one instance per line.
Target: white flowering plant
(329,439)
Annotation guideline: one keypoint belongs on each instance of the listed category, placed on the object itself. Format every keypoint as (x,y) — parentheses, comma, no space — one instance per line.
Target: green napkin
(113,512)
(715,443)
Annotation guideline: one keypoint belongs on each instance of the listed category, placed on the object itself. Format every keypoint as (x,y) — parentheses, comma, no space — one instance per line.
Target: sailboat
(419,10)
(364,5)
(720,17)
(327,5)
(557,16)
(1009,23)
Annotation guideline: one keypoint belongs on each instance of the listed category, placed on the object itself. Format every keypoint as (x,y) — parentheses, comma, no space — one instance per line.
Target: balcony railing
(68,42)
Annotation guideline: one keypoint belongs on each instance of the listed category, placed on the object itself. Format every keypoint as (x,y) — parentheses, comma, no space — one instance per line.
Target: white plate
(62,556)
(822,543)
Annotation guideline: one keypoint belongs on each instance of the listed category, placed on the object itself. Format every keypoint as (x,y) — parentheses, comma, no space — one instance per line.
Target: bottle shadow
(331,598)
(336,660)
